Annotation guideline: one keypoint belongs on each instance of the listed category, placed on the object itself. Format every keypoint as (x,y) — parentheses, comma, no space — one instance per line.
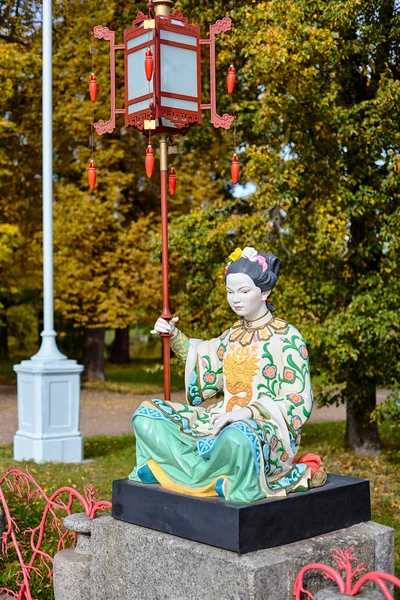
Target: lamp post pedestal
(48,412)
(48,406)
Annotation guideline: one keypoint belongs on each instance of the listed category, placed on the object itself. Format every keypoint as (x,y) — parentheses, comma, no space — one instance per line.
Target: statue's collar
(257,323)
(259,330)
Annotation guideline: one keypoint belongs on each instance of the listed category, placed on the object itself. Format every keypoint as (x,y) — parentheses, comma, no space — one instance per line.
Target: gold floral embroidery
(245,334)
(240,368)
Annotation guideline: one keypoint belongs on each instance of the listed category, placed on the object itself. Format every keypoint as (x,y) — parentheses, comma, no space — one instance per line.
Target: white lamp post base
(48,410)
(66,450)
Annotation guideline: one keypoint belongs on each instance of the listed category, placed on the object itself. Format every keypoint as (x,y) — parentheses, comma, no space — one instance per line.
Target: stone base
(332,594)
(341,502)
(131,562)
(75,581)
(48,409)
(60,449)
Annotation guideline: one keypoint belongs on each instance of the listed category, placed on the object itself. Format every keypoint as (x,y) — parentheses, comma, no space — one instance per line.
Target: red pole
(166,314)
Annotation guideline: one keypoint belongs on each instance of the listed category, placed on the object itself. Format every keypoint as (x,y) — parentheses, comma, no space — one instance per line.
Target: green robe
(261,364)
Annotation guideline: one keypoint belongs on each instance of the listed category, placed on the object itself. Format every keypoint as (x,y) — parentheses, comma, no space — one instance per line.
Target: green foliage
(319,121)
(389,410)
(22,325)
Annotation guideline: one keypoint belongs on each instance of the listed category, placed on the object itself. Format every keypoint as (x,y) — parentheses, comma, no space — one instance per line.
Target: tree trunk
(4,350)
(361,434)
(120,347)
(93,354)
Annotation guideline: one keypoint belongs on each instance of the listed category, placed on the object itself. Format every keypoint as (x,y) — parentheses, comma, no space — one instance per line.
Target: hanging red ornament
(231,78)
(92,175)
(148,64)
(149,161)
(93,87)
(172,181)
(235,168)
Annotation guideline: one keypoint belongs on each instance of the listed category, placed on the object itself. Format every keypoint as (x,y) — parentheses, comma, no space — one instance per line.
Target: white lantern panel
(137,81)
(178,70)
(165,123)
(132,108)
(174,22)
(171,36)
(183,104)
(140,39)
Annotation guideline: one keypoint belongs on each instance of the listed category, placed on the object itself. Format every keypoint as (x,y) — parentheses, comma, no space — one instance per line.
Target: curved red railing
(344,560)
(18,481)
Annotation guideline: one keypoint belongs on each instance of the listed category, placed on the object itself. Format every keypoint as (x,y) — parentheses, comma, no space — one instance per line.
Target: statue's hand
(163,326)
(230,417)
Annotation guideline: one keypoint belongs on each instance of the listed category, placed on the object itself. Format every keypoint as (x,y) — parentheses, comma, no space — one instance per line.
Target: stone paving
(110,413)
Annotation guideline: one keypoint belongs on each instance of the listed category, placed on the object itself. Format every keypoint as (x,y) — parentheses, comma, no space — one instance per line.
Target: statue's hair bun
(263,279)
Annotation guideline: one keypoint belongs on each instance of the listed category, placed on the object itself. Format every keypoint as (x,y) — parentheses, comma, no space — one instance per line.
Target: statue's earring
(265,296)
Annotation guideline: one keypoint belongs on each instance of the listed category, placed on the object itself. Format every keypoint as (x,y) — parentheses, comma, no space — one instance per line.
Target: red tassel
(172,181)
(235,168)
(93,87)
(148,64)
(231,78)
(149,161)
(92,175)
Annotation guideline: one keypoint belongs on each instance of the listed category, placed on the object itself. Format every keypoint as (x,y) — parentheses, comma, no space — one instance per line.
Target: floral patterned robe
(261,364)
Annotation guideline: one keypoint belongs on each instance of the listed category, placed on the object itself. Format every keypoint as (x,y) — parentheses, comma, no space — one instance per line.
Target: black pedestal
(341,502)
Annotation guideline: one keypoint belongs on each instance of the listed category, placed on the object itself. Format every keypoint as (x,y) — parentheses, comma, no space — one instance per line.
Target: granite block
(131,562)
(71,575)
(333,594)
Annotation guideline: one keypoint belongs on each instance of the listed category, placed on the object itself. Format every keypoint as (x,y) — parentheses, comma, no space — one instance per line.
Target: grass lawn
(113,458)
(141,376)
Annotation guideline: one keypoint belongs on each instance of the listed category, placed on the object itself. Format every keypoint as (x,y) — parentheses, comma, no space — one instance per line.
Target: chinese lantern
(235,168)
(231,78)
(93,87)
(92,174)
(149,161)
(172,181)
(148,64)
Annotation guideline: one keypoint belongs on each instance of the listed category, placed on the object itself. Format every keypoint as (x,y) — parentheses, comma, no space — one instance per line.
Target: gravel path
(110,413)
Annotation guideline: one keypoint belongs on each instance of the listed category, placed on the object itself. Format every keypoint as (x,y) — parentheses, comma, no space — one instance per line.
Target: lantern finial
(163,7)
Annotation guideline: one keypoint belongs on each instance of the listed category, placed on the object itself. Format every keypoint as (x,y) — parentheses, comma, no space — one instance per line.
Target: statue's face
(244,297)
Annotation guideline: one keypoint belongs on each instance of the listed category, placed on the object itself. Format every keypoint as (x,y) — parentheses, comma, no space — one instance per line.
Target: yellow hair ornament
(236,254)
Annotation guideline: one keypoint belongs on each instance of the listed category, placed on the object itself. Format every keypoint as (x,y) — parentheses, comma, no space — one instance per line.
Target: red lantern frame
(182,119)
(158,118)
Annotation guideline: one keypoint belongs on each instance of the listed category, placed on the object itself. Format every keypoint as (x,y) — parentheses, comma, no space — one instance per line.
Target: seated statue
(242,448)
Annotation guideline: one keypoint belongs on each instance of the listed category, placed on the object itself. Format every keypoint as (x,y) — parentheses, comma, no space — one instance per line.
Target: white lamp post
(48,383)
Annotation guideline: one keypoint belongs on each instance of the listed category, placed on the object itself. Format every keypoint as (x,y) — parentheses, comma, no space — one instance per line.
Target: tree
(20,206)
(319,94)
(119,353)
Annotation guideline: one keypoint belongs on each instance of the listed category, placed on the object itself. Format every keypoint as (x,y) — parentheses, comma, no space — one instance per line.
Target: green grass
(113,458)
(141,376)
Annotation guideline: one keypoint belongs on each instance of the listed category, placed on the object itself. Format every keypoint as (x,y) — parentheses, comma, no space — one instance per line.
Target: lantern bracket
(104,33)
(224,121)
